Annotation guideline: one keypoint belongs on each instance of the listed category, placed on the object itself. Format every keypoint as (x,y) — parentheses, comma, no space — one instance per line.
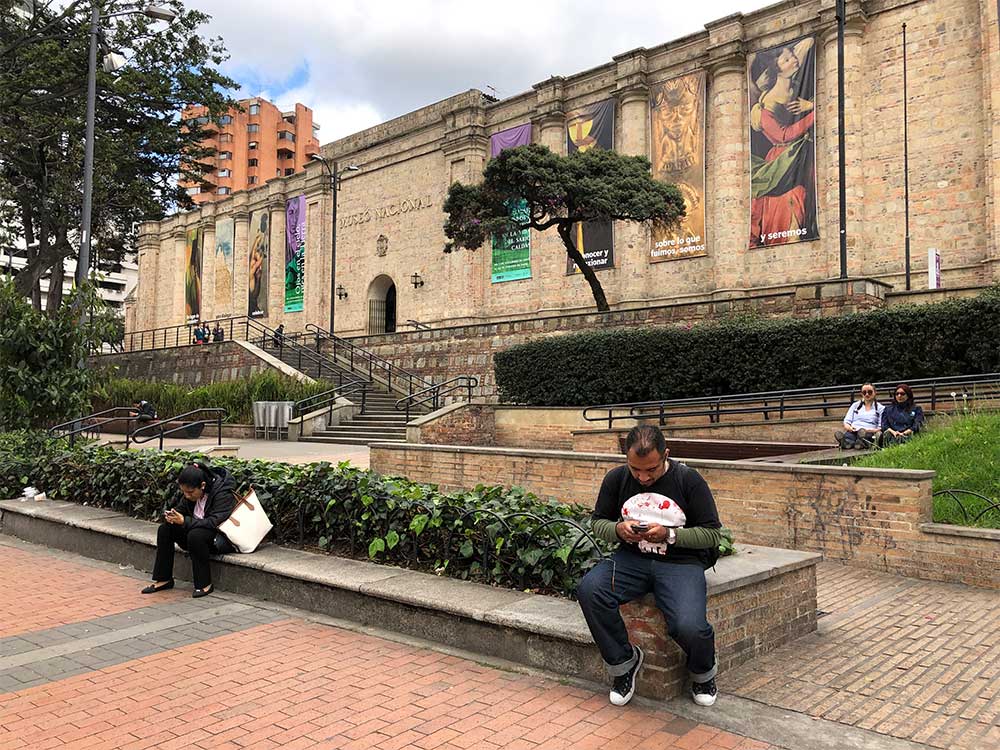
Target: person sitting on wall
(863,421)
(218,335)
(663,517)
(902,419)
(143,411)
(207,498)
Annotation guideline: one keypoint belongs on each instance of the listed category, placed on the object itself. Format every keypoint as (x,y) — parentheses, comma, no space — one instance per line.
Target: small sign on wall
(933,268)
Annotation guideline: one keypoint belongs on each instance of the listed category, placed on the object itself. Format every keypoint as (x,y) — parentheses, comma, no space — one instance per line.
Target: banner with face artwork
(224,271)
(587,128)
(192,275)
(295,253)
(677,137)
(257,265)
(512,251)
(782,87)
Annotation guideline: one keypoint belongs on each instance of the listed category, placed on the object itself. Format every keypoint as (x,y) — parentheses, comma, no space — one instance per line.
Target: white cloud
(371,61)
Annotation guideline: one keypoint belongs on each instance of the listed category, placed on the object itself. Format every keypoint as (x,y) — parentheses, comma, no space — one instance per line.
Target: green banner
(295,253)
(512,250)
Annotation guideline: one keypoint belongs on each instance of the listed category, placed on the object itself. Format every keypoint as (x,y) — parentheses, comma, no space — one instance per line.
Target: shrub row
(235,396)
(750,354)
(469,535)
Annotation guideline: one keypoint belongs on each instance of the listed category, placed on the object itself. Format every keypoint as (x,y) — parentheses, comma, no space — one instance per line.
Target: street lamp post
(842,159)
(150,11)
(332,171)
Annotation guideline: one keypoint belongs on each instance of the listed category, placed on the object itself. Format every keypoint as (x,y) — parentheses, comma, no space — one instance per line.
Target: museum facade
(742,116)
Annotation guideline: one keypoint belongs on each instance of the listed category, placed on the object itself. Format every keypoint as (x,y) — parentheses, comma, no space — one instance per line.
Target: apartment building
(114,283)
(253,144)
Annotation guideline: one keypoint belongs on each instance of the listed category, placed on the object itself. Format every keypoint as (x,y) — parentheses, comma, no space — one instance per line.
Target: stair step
(348,440)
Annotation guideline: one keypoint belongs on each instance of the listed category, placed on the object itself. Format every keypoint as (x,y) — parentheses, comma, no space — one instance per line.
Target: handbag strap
(245,500)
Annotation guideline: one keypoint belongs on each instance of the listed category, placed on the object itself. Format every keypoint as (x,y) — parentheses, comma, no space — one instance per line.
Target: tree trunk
(565,230)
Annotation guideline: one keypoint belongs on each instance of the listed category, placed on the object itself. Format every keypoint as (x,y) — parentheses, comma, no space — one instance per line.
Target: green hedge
(749,354)
(344,510)
(235,396)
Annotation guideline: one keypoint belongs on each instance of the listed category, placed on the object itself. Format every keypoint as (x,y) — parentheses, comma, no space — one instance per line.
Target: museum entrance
(382,306)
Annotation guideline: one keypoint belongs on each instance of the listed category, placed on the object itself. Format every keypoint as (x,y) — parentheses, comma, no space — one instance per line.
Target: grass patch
(964,450)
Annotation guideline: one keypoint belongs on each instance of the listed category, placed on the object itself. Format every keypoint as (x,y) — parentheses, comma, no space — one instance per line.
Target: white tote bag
(247,524)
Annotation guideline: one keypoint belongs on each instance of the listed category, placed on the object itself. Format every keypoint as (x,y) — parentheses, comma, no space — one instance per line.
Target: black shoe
(153,588)
(704,693)
(198,593)
(624,686)
(839,435)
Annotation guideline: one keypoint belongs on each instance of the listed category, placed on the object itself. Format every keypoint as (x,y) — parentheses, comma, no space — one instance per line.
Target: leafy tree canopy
(139,139)
(592,185)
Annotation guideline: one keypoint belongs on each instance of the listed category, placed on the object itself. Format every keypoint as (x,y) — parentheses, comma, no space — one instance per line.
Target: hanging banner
(258,264)
(295,253)
(224,271)
(677,137)
(512,250)
(192,276)
(782,87)
(586,128)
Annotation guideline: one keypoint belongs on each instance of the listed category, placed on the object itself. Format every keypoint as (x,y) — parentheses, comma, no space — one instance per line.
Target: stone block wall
(870,518)
(187,365)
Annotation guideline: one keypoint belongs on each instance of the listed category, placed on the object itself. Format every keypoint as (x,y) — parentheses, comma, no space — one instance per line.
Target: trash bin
(284,414)
(260,419)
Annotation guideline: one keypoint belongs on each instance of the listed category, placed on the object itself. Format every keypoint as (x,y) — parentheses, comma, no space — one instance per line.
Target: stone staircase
(380,422)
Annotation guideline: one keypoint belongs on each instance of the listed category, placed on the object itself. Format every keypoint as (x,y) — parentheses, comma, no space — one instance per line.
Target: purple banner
(510,138)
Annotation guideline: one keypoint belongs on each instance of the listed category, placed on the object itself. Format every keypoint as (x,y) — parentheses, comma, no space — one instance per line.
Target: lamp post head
(159,13)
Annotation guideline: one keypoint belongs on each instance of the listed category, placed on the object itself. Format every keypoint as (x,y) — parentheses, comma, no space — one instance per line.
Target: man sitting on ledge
(664,517)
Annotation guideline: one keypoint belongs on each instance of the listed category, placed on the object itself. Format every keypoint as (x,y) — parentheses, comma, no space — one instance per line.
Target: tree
(592,185)
(141,146)
(41,378)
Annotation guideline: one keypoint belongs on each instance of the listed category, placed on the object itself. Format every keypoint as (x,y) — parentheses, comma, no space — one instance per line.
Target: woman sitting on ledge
(902,419)
(192,521)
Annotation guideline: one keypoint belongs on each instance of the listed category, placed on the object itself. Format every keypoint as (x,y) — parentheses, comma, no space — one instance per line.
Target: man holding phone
(663,516)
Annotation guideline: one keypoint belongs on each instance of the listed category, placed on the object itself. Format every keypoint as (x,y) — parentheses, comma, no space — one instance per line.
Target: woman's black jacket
(221,492)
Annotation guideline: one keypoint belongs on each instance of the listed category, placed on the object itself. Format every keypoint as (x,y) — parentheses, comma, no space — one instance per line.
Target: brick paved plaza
(86,662)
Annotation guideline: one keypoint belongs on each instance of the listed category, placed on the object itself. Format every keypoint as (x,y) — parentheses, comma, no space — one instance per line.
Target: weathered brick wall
(749,621)
(468,424)
(187,365)
(870,518)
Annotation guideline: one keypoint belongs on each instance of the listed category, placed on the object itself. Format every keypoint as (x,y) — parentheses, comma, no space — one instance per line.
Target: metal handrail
(329,398)
(86,424)
(179,335)
(220,414)
(779,402)
(374,363)
(433,394)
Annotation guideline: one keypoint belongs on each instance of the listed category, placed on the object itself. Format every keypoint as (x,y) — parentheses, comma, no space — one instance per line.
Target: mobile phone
(638,527)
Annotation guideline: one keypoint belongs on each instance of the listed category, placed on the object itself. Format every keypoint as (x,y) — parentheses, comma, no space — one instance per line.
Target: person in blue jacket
(902,419)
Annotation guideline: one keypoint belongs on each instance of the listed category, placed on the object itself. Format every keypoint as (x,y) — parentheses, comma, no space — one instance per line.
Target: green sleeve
(604,528)
(698,537)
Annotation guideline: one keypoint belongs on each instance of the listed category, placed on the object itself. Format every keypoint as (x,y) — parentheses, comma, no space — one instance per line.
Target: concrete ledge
(971,532)
(539,631)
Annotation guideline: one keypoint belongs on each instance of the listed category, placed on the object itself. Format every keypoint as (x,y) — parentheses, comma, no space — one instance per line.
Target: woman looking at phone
(206,499)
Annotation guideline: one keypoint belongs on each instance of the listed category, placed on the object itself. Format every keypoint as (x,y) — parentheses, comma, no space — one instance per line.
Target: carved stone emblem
(381,246)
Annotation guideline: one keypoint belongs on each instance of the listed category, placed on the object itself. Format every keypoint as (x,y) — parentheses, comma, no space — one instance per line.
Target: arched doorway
(382,305)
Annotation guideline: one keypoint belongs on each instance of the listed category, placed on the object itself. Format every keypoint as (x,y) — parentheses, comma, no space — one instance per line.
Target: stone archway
(382,305)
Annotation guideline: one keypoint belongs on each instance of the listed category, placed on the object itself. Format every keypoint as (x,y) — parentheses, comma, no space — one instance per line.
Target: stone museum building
(742,115)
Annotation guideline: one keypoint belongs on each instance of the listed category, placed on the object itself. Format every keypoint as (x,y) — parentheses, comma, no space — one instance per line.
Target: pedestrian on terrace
(902,419)
(863,421)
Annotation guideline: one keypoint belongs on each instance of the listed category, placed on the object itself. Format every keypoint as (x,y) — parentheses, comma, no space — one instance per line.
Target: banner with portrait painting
(511,259)
(586,128)
(258,263)
(224,271)
(677,138)
(295,253)
(192,275)
(782,88)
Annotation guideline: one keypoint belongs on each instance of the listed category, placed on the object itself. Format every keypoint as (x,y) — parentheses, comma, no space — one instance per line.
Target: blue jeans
(680,593)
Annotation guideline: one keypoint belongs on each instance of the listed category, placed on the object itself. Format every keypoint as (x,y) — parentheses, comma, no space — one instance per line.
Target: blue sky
(360,62)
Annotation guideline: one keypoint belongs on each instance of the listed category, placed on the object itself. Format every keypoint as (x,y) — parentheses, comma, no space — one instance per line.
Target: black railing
(362,361)
(432,396)
(329,399)
(93,424)
(930,392)
(973,498)
(160,429)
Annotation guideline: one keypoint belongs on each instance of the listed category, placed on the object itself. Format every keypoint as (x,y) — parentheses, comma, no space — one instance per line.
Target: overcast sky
(359,62)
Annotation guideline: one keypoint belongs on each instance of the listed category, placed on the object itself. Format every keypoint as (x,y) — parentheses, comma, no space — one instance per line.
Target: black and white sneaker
(704,693)
(624,687)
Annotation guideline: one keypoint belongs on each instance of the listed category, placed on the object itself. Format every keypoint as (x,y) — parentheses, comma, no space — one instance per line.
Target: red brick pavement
(294,684)
(39,592)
